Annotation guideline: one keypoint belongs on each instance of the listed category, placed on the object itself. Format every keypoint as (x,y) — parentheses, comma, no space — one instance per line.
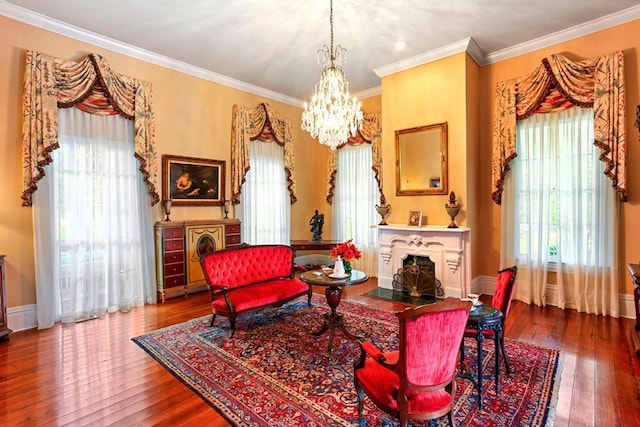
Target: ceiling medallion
(332,115)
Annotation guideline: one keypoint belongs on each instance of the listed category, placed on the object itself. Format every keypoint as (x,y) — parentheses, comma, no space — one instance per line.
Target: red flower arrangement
(347,251)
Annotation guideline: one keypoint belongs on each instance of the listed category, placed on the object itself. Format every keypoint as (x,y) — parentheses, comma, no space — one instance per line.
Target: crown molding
(481,58)
(374,91)
(469,45)
(475,52)
(464,45)
(17,13)
(608,21)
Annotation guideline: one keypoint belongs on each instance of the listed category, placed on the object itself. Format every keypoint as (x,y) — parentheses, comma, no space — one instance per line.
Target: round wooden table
(333,291)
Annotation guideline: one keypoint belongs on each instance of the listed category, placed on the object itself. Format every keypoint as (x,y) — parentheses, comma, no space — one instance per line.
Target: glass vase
(347,268)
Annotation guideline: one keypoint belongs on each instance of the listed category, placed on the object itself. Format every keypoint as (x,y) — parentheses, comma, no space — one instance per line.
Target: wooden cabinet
(634,334)
(170,267)
(232,235)
(4,330)
(179,245)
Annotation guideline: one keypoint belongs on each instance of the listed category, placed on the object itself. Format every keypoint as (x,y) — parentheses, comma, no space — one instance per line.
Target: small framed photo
(415,218)
(193,181)
(434,183)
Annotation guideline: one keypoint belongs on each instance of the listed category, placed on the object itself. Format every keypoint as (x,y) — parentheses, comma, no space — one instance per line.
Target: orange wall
(623,37)
(193,118)
(424,95)
(474,166)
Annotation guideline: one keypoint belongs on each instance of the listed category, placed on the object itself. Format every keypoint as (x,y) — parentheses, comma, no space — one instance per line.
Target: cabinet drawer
(173,245)
(173,257)
(173,232)
(232,240)
(232,228)
(173,269)
(172,281)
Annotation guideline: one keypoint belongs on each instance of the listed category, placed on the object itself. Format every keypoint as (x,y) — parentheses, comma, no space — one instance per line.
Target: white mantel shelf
(448,248)
(439,228)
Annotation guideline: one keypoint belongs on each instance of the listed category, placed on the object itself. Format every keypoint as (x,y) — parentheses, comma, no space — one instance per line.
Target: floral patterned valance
(371,133)
(51,83)
(597,83)
(261,122)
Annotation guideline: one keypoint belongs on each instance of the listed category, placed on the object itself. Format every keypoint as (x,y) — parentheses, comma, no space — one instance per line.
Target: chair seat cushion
(260,295)
(383,385)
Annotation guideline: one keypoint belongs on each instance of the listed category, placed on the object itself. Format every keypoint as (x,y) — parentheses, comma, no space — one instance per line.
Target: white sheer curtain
(93,223)
(560,210)
(265,207)
(355,197)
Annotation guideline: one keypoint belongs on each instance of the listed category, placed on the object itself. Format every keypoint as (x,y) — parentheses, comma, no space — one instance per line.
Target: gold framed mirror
(421,160)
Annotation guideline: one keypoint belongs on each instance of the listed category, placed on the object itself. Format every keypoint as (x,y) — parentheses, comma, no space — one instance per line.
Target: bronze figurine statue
(316,222)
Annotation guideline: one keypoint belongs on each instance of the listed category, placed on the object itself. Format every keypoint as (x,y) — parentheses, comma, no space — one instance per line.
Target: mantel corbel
(385,253)
(453,257)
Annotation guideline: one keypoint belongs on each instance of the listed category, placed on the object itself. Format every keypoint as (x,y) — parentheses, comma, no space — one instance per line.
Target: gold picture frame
(193,181)
(415,218)
(421,160)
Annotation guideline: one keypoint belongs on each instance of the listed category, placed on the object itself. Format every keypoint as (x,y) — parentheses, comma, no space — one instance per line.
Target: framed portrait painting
(415,218)
(193,181)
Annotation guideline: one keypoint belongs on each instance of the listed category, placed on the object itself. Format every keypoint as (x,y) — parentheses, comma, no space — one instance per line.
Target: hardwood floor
(91,373)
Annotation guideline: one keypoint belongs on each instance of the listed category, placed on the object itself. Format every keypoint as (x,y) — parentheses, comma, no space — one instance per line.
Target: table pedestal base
(481,319)
(333,320)
(477,378)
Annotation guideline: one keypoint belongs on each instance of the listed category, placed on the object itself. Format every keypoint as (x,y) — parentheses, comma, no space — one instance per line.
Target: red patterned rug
(274,373)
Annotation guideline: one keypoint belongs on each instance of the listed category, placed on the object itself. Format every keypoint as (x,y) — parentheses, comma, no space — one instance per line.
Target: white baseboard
(22,317)
(25,316)
(486,285)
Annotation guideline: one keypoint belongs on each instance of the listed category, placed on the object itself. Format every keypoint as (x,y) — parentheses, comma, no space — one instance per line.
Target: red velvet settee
(250,278)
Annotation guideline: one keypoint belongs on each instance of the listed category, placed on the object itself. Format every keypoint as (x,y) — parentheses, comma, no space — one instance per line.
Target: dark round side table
(483,318)
(333,291)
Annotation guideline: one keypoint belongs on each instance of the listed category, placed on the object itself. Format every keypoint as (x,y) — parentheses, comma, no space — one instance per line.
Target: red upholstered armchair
(417,381)
(502,296)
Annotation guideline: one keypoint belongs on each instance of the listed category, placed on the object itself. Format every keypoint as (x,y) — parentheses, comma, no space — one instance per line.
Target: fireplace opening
(414,283)
(417,277)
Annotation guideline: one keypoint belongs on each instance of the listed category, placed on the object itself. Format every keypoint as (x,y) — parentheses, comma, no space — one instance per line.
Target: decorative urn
(452,207)
(383,210)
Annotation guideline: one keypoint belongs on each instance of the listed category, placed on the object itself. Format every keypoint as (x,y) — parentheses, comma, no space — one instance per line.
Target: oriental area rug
(273,372)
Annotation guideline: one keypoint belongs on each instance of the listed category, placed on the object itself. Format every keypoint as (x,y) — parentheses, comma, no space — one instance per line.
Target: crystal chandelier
(332,115)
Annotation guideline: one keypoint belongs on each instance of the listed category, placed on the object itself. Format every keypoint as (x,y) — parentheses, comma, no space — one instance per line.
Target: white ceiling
(269,46)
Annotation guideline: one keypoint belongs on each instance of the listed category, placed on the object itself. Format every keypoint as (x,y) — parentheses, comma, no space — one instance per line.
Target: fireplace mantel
(448,248)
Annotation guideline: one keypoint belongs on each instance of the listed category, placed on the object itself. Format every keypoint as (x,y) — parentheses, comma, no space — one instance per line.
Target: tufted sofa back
(246,265)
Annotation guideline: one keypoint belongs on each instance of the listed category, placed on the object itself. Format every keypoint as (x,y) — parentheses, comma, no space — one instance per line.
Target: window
(559,212)
(265,203)
(356,194)
(560,191)
(94,232)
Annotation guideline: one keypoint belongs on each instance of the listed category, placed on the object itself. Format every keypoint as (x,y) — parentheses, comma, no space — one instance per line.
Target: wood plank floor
(91,373)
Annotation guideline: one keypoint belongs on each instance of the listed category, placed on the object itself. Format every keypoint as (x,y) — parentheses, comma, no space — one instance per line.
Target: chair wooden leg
(232,321)
(360,394)
(504,355)
(462,356)
(452,423)
(213,318)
